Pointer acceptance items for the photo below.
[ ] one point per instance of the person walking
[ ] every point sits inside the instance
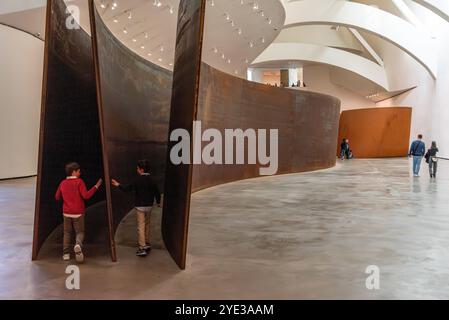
(432, 160)
(417, 151)
(73, 192)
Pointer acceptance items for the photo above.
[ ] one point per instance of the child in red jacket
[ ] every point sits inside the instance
(73, 192)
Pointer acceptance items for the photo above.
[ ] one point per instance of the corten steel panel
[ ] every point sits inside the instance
(376, 132)
(69, 126)
(135, 107)
(307, 124)
(184, 103)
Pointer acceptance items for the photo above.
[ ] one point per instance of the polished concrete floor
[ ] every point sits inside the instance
(300, 236)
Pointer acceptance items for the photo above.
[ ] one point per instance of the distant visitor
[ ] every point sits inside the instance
(432, 160)
(345, 150)
(417, 151)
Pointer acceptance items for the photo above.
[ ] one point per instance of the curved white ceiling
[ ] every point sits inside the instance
(290, 52)
(370, 19)
(11, 6)
(236, 31)
(440, 7)
(321, 35)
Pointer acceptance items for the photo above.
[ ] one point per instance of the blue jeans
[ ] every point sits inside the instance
(416, 164)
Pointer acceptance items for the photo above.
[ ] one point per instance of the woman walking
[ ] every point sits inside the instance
(432, 160)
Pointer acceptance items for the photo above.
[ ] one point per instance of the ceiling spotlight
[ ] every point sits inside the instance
(130, 15)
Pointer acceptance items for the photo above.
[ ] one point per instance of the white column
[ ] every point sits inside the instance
(293, 76)
(255, 74)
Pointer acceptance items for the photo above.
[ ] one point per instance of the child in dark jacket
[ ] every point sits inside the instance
(73, 192)
(145, 192)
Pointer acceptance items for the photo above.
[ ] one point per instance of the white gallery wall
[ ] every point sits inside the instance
(318, 79)
(430, 100)
(21, 65)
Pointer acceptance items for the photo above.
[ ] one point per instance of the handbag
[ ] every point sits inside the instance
(427, 157)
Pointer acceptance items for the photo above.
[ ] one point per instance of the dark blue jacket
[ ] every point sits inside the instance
(418, 148)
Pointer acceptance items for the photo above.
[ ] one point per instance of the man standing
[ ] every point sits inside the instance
(417, 151)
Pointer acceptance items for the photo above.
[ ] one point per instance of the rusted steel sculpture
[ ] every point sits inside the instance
(70, 128)
(106, 107)
(377, 132)
(184, 105)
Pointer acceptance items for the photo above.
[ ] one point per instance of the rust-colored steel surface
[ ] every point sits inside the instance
(134, 98)
(307, 123)
(69, 126)
(183, 112)
(376, 132)
(106, 108)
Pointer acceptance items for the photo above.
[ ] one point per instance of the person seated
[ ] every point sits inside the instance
(344, 149)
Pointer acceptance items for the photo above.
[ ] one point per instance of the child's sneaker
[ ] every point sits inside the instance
(79, 256)
(147, 248)
(141, 253)
(66, 257)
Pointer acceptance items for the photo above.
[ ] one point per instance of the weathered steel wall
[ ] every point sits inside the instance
(69, 124)
(184, 104)
(135, 106)
(307, 123)
(377, 132)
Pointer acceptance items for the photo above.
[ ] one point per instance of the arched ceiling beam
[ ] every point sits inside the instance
(288, 51)
(367, 47)
(370, 19)
(440, 7)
